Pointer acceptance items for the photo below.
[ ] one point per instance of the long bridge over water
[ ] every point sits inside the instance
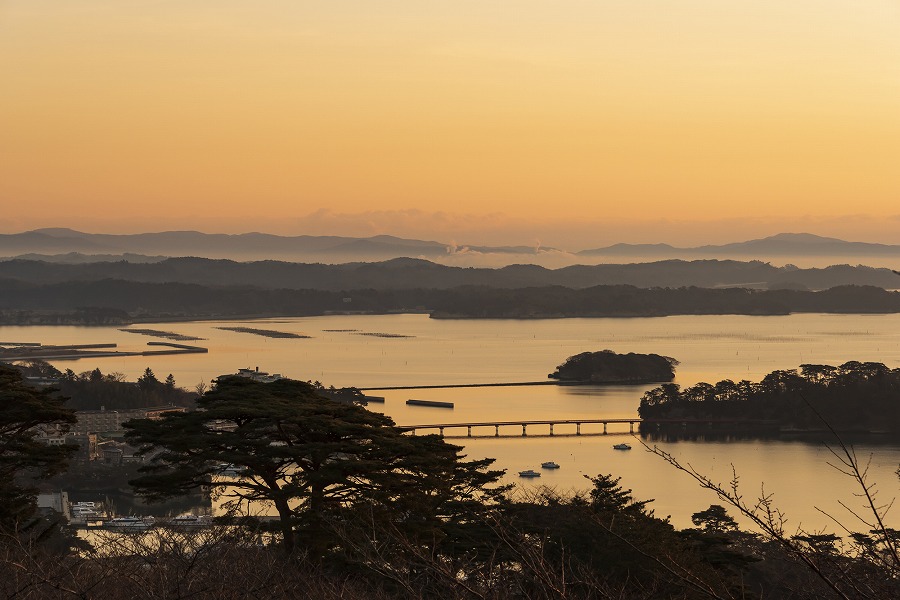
(550, 423)
(578, 423)
(440, 427)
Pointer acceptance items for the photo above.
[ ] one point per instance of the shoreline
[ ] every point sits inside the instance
(59, 320)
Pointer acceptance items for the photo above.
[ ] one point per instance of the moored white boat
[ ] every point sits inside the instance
(190, 521)
(549, 465)
(529, 473)
(621, 446)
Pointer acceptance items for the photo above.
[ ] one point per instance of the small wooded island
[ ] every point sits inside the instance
(607, 366)
(854, 397)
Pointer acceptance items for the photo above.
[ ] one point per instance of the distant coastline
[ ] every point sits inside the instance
(119, 303)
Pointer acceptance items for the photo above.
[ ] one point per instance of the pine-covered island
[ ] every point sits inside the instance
(862, 397)
(607, 366)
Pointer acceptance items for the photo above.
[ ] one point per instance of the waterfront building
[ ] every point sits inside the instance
(257, 375)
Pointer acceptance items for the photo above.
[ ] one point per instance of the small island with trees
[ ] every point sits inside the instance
(854, 397)
(607, 366)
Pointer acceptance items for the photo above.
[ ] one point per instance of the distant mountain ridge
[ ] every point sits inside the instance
(53, 242)
(187, 243)
(782, 244)
(60, 245)
(76, 258)
(244, 246)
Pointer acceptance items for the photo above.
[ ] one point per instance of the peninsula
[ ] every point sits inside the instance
(853, 397)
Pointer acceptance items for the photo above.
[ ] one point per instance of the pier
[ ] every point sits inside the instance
(471, 385)
(551, 423)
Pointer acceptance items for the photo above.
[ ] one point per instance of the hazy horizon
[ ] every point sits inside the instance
(787, 248)
(497, 231)
(579, 123)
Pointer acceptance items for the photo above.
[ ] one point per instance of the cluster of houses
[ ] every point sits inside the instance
(98, 433)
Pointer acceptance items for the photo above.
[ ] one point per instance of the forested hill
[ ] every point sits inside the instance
(112, 302)
(856, 396)
(407, 273)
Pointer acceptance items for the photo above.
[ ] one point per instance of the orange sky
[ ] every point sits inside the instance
(580, 121)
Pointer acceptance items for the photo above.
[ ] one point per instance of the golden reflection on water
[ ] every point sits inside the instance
(709, 348)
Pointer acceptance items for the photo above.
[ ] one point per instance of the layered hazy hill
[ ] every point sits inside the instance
(150, 287)
(782, 244)
(66, 245)
(194, 243)
(409, 273)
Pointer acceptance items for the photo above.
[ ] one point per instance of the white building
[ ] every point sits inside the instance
(257, 375)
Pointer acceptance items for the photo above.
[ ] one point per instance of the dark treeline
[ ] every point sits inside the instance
(407, 273)
(93, 390)
(627, 301)
(863, 396)
(22, 303)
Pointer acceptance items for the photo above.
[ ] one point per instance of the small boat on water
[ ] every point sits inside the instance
(529, 473)
(621, 446)
(190, 521)
(128, 524)
(549, 465)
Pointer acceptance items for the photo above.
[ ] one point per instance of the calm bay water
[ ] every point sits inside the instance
(709, 348)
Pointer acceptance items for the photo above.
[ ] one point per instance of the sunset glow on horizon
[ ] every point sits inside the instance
(466, 117)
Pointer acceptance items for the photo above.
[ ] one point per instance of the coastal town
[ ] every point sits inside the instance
(101, 448)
